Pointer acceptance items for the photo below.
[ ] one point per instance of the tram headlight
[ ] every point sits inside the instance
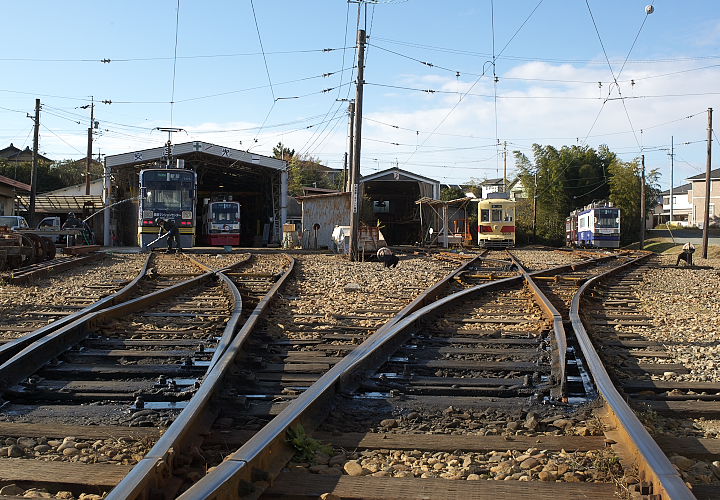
(187, 214)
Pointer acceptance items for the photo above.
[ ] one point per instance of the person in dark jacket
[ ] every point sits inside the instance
(387, 257)
(72, 222)
(173, 234)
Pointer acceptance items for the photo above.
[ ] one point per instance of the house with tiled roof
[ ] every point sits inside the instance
(11, 154)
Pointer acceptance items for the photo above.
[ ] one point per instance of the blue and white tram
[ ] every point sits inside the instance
(597, 225)
(167, 193)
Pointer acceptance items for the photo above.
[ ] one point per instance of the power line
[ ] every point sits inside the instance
(161, 58)
(63, 140)
(540, 59)
(262, 49)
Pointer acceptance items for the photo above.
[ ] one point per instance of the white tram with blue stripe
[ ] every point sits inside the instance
(595, 226)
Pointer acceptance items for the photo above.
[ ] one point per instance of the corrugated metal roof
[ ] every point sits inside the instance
(399, 173)
(178, 150)
(59, 203)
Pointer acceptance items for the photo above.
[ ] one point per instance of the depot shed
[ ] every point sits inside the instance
(327, 211)
(258, 182)
(389, 198)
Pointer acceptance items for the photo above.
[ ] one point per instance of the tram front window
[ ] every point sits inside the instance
(225, 212)
(168, 190)
(607, 218)
(497, 215)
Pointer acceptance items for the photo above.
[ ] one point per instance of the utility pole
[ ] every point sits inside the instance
(355, 193)
(89, 146)
(504, 166)
(706, 220)
(33, 172)
(345, 172)
(350, 178)
(672, 166)
(642, 205)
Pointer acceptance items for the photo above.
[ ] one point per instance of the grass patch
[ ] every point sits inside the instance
(305, 446)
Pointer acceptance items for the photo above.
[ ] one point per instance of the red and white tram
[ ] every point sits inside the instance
(221, 223)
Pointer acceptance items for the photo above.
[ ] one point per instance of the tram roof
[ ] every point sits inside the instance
(240, 160)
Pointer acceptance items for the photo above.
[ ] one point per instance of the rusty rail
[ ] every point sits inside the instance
(652, 463)
(262, 456)
(155, 469)
(13, 347)
(34, 352)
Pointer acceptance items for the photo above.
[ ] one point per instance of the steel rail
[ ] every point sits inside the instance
(234, 476)
(237, 303)
(155, 469)
(24, 274)
(33, 356)
(559, 353)
(13, 347)
(652, 463)
(257, 458)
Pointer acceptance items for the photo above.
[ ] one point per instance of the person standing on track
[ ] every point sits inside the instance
(173, 234)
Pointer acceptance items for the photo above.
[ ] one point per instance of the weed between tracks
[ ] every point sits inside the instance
(305, 447)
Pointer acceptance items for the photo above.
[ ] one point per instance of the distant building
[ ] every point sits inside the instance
(8, 190)
(697, 198)
(682, 206)
(11, 154)
(491, 186)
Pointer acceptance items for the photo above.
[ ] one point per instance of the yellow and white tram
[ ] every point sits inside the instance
(496, 221)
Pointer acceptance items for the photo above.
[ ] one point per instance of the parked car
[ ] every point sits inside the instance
(53, 224)
(13, 222)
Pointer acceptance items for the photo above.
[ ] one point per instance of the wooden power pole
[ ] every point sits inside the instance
(350, 178)
(505, 167)
(33, 172)
(89, 147)
(642, 204)
(706, 219)
(356, 192)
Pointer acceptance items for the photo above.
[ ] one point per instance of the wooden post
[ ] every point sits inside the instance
(706, 219)
(356, 194)
(89, 148)
(33, 172)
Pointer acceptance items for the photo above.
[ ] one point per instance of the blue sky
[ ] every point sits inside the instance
(549, 62)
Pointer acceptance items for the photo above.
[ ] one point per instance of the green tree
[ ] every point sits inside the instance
(562, 179)
(451, 193)
(47, 177)
(72, 172)
(282, 152)
(625, 183)
(304, 171)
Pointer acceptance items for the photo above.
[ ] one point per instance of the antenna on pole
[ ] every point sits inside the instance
(168, 144)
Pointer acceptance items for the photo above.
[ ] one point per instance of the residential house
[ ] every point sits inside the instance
(11, 154)
(681, 206)
(697, 198)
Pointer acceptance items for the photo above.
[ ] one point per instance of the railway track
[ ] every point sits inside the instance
(261, 459)
(228, 434)
(434, 393)
(125, 370)
(30, 311)
(675, 410)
